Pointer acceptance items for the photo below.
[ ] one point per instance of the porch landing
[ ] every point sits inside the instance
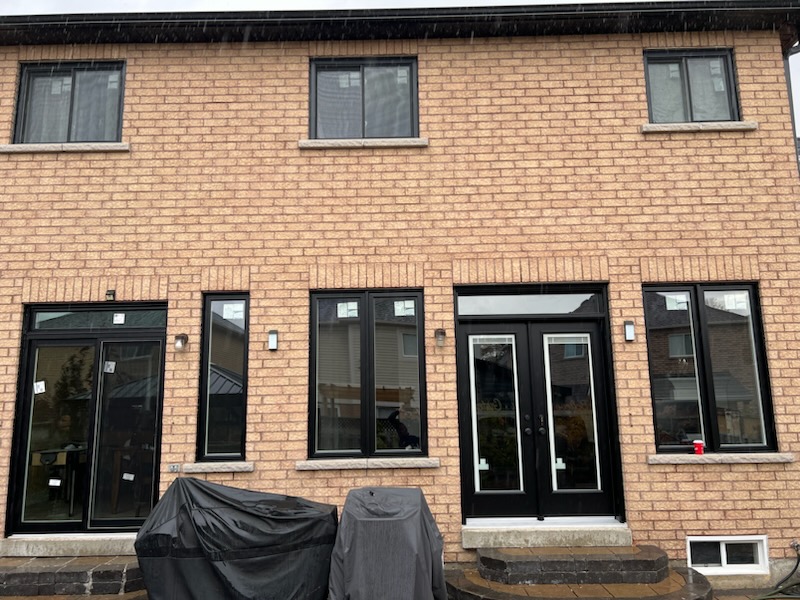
(64, 576)
(551, 532)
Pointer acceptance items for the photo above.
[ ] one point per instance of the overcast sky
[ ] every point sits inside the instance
(45, 7)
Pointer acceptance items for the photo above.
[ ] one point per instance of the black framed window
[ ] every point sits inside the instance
(364, 98)
(691, 86)
(223, 399)
(708, 369)
(367, 375)
(70, 102)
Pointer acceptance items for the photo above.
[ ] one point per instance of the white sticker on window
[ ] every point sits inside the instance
(109, 366)
(736, 301)
(346, 310)
(128, 477)
(54, 482)
(119, 319)
(39, 387)
(404, 308)
(113, 81)
(402, 75)
(355, 79)
(677, 301)
(233, 311)
(674, 71)
(719, 84)
(56, 87)
(715, 66)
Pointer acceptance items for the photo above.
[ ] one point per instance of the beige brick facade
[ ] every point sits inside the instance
(536, 171)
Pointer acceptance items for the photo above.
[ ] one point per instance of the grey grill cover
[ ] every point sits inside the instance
(388, 547)
(204, 540)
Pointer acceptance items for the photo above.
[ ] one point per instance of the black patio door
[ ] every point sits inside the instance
(533, 408)
(88, 421)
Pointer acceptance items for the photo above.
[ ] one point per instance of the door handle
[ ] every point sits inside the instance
(528, 431)
(542, 428)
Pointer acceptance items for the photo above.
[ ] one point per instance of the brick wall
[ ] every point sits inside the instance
(536, 171)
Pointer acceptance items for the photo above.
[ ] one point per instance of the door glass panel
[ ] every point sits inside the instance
(127, 414)
(571, 407)
(58, 433)
(495, 402)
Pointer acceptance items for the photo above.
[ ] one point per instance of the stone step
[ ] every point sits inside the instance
(553, 566)
(70, 576)
(680, 584)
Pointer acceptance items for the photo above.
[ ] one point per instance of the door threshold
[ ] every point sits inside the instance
(548, 522)
(524, 532)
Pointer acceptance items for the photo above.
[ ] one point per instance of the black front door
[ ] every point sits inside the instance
(533, 420)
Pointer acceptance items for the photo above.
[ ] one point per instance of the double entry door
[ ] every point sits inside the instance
(86, 457)
(533, 420)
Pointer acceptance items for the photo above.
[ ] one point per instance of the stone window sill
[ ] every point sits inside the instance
(219, 467)
(334, 464)
(364, 143)
(70, 147)
(700, 127)
(721, 459)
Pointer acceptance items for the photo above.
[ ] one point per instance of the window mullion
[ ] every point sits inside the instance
(705, 371)
(363, 75)
(367, 376)
(687, 89)
(73, 86)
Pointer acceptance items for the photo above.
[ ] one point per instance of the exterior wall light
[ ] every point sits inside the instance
(272, 339)
(630, 333)
(440, 334)
(181, 340)
(111, 295)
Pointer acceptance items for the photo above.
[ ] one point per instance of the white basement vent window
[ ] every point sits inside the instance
(728, 555)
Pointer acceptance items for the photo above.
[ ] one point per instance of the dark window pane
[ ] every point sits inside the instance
(95, 109)
(397, 381)
(741, 553)
(709, 89)
(47, 108)
(58, 434)
(737, 389)
(338, 377)
(706, 554)
(387, 102)
(339, 104)
(666, 92)
(225, 376)
(100, 319)
(675, 389)
(529, 304)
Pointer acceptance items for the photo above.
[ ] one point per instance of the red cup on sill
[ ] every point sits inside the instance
(699, 446)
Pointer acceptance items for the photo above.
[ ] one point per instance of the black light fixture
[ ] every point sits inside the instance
(111, 295)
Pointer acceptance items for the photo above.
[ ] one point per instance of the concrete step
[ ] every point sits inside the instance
(680, 584)
(630, 564)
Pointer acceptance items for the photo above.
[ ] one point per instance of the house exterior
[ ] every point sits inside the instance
(522, 258)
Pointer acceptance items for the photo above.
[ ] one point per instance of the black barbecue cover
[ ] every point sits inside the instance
(388, 547)
(204, 540)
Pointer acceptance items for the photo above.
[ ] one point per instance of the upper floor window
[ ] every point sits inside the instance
(686, 86)
(367, 382)
(364, 98)
(708, 368)
(223, 403)
(69, 102)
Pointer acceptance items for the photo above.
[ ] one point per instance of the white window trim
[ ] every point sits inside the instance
(762, 552)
